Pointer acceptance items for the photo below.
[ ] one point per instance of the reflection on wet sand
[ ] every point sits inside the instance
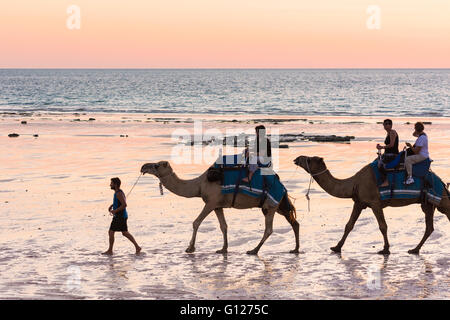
(55, 221)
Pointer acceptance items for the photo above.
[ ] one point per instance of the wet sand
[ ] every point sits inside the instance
(54, 195)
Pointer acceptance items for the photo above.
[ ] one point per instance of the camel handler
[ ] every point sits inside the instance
(263, 153)
(419, 149)
(119, 212)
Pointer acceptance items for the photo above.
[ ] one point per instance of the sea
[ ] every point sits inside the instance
(328, 92)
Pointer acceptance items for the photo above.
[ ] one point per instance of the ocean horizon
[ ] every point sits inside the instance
(327, 91)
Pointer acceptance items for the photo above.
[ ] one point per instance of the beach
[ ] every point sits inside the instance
(54, 195)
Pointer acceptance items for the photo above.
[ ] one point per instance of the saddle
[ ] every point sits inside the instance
(397, 164)
(237, 162)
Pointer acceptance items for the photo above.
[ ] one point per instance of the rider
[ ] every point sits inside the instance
(263, 153)
(419, 150)
(390, 149)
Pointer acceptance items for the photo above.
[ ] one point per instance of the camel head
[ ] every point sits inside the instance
(311, 164)
(159, 169)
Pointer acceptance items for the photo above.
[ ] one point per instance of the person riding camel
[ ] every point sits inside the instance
(263, 153)
(390, 149)
(419, 150)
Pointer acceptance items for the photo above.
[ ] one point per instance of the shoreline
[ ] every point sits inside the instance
(243, 117)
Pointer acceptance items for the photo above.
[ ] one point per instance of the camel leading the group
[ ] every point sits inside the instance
(215, 200)
(362, 188)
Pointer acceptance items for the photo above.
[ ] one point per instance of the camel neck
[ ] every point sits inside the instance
(182, 188)
(340, 188)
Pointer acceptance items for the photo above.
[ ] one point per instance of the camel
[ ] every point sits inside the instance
(362, 188)
(211, 194)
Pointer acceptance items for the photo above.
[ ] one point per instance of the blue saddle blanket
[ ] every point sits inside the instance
(430, 184)
(260, 182)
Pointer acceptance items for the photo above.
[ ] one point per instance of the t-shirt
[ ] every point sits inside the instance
(422, 141)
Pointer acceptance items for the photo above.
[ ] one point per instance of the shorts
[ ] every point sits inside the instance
(119, 224)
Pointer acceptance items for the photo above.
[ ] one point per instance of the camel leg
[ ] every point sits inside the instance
(445, 206)
(378, 211)
(267, 232)
(357, 208)
(428, 209)
(296, 227)
(205, 212)
(223, 227)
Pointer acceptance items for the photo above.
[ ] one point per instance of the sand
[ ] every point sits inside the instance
(54, 195)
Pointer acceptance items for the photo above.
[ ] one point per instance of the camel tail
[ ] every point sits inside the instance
(443, 207)
(287, 208)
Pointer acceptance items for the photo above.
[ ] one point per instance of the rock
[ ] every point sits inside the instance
(13, 135)
(23, 122)
(332, 138)
(35, 135)
(424, 122)
(91, 119)
(283, 146)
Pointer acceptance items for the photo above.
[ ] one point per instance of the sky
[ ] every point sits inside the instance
(225, 34)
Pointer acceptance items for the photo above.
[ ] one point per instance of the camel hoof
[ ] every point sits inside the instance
(384, 251)
(336, 249)
(294, 251)
(190, 249)
(252, 252)
(222, 251)
(413, 251)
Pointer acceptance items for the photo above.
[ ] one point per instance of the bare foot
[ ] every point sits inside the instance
(109, 253)
(385, 184)
(138, 250)
(245, 180)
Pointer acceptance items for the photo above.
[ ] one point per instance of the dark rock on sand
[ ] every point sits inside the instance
(13, 135)
(424, 122)
(23, 122)
(91, 119)
(332, 138)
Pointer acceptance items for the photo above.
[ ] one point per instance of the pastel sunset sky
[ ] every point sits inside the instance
(225, 34)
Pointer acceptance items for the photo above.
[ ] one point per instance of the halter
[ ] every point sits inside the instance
(161, 190)
(309, 170)
(310, 180)
(160, 177)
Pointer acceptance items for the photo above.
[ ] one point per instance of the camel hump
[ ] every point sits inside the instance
(215, 174)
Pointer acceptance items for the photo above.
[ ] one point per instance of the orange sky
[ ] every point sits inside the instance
(225, 34)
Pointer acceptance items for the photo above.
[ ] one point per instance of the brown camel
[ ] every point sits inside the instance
(211, 193)
(362, 188)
